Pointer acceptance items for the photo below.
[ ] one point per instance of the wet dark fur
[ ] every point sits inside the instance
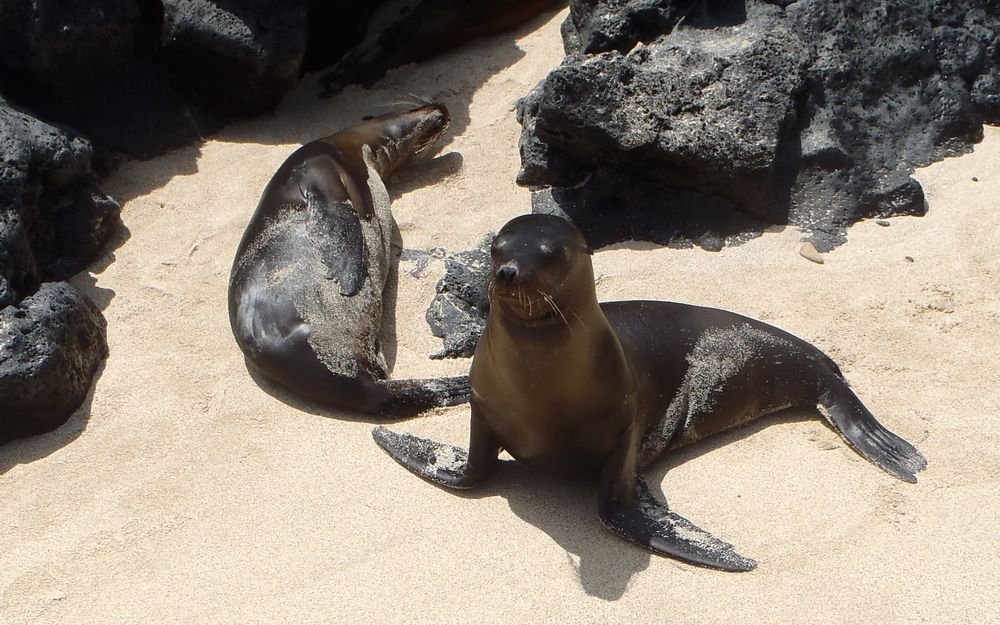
(306, 289)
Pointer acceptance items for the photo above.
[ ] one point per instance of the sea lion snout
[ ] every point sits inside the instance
(506, 273)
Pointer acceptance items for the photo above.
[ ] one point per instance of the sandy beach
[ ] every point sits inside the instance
(183, 492)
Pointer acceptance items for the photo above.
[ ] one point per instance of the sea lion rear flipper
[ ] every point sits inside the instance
(858, 426)
(648, 522)
(442, 464)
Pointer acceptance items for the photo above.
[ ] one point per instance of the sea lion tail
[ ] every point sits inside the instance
(858, 426)
(404, 398)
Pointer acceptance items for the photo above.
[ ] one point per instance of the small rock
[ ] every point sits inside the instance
(974, 179)
(458, 312)
(908, 259)
(882, 222)
(809, 252)
(51, 345)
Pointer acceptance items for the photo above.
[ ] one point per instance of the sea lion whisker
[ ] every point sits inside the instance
(555, 308)
(420, 99)
(395, 103)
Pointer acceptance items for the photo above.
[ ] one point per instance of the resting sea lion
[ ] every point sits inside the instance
(566, 384)
(305, 293)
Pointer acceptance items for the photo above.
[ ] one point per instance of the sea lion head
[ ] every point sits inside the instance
(542, 272)
(396, 137)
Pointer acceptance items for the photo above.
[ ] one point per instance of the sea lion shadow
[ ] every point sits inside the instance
(566, 510)
(678, 456)
(423, 172)
(32, 448)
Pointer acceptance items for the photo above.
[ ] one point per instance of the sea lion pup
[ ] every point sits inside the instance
(566, 384)
(305, 293)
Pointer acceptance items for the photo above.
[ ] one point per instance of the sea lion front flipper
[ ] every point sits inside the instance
(442, 464)
(648, 522)
(339, 239)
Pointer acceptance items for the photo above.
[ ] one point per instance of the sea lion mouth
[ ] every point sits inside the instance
(523, 309)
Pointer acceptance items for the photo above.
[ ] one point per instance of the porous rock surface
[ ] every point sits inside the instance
(56, 44)
(54, 220)
(690, 122)
(457, 313)
(242, 56)
(51, 345)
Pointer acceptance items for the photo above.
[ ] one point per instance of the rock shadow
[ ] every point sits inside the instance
(86, 280)
(32, 448)
(481, 59)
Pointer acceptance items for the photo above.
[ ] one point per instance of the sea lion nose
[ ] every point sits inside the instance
(506, 273)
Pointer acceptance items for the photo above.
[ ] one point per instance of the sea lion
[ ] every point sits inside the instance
(601, 390)
(305, 292)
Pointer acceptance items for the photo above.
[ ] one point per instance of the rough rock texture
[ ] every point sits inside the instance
(242, 56)
(54, 220)
(457, 313)
(668, 119)
(95, 66)
(51, 345)
(56, 44)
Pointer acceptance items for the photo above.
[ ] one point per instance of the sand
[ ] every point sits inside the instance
(183, 492)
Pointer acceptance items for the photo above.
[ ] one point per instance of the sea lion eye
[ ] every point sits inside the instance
(551, 252)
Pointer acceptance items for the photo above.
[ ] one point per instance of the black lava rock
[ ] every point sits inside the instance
(54, 218)
(335, 26)
(51, 345)
(240, 55)
(56, 44)
(94, 66)
(986, 95)
(457, 313)
(678, 114)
